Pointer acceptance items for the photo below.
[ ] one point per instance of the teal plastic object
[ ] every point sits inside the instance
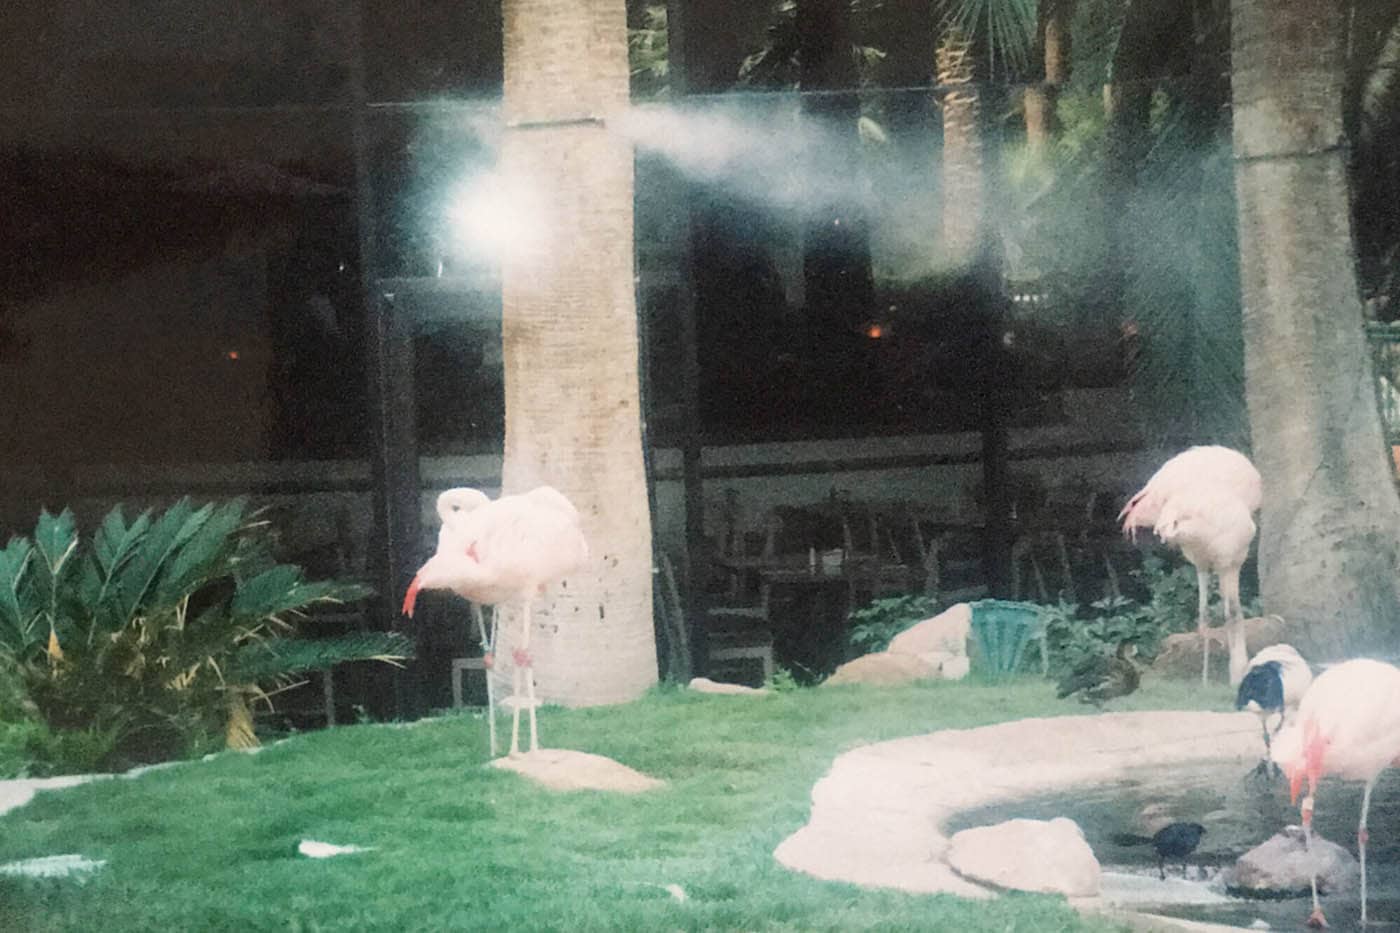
(1003, 629)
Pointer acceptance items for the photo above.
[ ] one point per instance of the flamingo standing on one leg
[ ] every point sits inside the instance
(1203, 501)
(1348, 725)
(505, 550)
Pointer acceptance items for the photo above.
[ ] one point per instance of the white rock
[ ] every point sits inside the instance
(1028, 855)
(883, 668)
(706, 685)
(946, 632)
(955, 668)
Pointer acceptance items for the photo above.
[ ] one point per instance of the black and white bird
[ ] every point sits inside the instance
(1273, 685)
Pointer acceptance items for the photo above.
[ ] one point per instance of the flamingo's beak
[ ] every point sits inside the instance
(411, 597)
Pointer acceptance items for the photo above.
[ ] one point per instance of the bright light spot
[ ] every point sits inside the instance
(496, 217)
(875, 331)
(231, 354)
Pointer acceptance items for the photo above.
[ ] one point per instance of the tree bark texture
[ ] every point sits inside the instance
(569, 326)
(1329, 538)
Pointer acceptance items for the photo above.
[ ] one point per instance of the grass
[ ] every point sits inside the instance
(212, 846)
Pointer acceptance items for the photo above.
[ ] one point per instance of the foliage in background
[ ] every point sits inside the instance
(873, 625)
(649, 55)
(1169, 606)
(150, 641)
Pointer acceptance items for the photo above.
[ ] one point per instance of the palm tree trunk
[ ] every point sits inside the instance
(964, 177)
(1053, 19)
(569, 326)
(1329, 542)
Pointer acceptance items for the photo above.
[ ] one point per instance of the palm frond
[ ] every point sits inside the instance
(272, 658)
(16, 618)
(1004, 28)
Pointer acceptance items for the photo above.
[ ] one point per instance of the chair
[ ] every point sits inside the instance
(739, 629)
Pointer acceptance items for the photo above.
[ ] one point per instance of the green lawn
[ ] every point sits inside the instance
(212, 846)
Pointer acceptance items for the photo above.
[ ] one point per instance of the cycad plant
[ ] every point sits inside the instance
(155, 636)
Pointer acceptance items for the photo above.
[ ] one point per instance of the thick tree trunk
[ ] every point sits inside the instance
(569, 326)
(1329, 546)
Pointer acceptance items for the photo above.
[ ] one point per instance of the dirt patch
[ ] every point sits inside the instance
(563, 769)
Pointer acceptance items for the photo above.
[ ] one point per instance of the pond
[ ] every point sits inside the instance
(1239, 812)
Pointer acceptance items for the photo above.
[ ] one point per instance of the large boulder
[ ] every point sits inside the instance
(945, 633)
(884, 668)
(1027, 855)
(1283, 865)
(1180, 655)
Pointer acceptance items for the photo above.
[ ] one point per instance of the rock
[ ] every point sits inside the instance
(706, 685)
(562, 769)
(955, 668)
(1281, 865)
(884, 668)
(946, 632)
(1028, 855)
(1180, 655)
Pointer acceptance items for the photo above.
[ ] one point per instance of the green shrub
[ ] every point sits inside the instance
(1073, 632)
(150, 642)
(876, 623)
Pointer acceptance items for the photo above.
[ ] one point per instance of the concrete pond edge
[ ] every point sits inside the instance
(879, 815)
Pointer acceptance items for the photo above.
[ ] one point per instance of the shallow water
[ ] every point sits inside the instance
(1239, 812)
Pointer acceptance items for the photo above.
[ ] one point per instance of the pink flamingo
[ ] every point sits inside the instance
(495, 552)
(1203, 501)
(1348, 725)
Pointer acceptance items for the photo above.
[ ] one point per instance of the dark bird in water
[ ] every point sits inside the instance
(1273, 685)
(1173, 841)
(1100, 678)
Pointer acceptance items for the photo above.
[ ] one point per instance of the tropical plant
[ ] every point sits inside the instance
(648, 53)
(152, 640)
(874, 624)
(1167, 605)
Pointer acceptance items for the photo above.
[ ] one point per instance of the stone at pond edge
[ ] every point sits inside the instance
(946, 632)
(1180, 655)
(1028, 855)
(564, 769)
(706, 685)
(1281, 865)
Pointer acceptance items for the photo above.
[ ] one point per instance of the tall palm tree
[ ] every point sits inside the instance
(1329, 547)
(569, 327)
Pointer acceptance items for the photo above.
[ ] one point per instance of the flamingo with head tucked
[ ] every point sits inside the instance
(498, 551)
(1203, 501)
